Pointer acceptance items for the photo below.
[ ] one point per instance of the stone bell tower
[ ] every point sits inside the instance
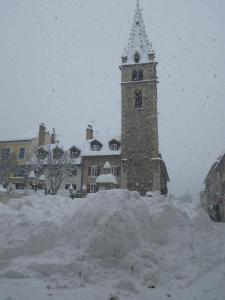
(141, 169)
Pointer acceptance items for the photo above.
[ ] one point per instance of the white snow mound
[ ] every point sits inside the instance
(151, 241)
(110, 224)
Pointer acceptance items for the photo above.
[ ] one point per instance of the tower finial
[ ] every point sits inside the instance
(138, 41)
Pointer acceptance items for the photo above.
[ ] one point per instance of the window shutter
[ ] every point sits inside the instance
(118, 171)
(89, 171)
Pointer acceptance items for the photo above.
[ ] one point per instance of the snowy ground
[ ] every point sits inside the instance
(112, 245)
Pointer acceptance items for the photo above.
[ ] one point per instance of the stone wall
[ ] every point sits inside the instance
(99, 161)
(139, 142)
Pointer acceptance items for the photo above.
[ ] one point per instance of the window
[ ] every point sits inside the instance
(57, 153)
(137, 76)
(114, 147)
(140, 75)
(74, 152)
(21, 171)
(42, 153)
(5, 153)
(95, 147)
(93, 188)
(134, 75)
(116, 171)
(94, 171)
(22, 153)
(138, 99)
(136, 57)
(67, 186)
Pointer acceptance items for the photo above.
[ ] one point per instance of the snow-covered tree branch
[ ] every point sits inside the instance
(54, 163)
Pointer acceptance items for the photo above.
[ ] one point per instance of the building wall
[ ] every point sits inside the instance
(98, 161)
(213, 197)
(15, 146)
(139, 143)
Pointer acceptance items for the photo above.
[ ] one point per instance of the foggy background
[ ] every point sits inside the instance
(59, 65)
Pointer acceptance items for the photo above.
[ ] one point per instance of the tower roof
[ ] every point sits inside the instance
(139, 50)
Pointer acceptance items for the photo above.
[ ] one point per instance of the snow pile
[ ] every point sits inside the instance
(2, 189)
(106, 178)
(109, 225)
(112, 235)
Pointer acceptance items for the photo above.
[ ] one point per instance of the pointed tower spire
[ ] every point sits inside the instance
(139, 50)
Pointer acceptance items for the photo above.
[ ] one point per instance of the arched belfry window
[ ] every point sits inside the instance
(140, 75)
(136, 57)
(138, 99)
(135, 75)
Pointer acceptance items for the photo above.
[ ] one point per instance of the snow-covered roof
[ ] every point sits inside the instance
(51, 147)
(84, 188)
(107, 165)
(2, 189)
(138, 41)
(19, 138)
(106, 178)
(149, 194)
(31, 175)
(105, 148)
(42, 178)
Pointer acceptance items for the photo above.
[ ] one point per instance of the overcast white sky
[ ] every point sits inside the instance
(59, 65)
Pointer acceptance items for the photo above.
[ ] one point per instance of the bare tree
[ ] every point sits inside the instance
(53, 162)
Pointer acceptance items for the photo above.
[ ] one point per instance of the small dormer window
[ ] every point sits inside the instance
(136, 57)
(74, 152)
(96, 146)
(57, 153)
(42, 153)
(114, 145)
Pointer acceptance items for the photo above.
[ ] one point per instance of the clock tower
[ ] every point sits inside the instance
(142, 165)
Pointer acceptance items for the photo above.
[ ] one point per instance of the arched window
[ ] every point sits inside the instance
(140, 75)
(134, 75)
(138, 99)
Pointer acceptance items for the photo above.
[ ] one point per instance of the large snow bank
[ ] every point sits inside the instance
(116, 235)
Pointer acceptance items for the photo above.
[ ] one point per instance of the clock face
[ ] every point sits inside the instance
(136, 57)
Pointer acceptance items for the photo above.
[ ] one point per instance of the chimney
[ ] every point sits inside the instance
(89, 133)
(53, 137)
(42, 134)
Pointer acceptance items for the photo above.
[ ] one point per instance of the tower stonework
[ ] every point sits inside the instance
(141, 162)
